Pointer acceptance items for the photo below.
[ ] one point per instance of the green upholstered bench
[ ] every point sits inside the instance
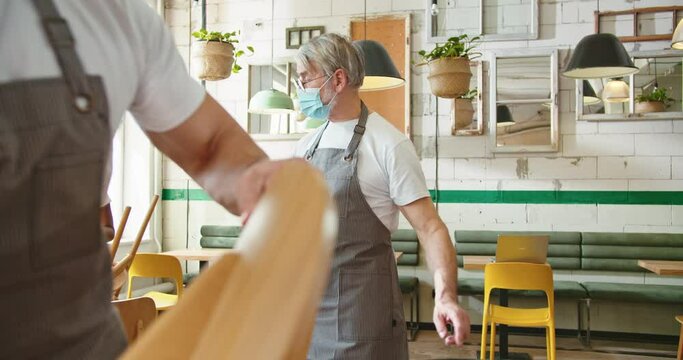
(215, 237)
(564, 253)
(620, 252)
(406, 242)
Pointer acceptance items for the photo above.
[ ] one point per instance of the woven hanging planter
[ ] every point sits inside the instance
(212, 60)
(649, 107)
(449, 77)
(464, 113)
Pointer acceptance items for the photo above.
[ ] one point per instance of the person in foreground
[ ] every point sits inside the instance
(63, 92)
(373, 171)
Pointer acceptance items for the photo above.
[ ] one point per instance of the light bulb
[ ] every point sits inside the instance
(435, 10)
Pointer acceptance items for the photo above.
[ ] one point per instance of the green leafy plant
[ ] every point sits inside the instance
(457, 46)
(469, 95)
(658, 94)
(227, 37)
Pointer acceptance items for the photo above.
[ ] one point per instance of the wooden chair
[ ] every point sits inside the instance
(119, 234)
(518, 276)
(276, 277)
(136, 315)
(157, 266)
(124, 264)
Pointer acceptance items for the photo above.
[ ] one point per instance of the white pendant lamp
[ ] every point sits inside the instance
(677, 39)
(616, 91)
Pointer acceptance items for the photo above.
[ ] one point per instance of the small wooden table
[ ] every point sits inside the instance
(397, 254)
(202, 255)
(662, 267)
(476, 262)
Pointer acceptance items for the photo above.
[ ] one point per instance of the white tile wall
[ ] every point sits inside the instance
(634, 214)
(598, 145)
(591, 156)
(632, 167)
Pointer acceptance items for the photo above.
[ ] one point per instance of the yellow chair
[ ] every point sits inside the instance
(157, 266)
(679, 356)
(518, 276)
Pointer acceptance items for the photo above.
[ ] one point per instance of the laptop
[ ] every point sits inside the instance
(524, 248)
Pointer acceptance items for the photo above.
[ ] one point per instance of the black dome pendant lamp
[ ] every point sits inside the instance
(380, 71)
(599, 56)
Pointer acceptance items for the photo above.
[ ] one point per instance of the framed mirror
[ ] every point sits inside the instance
(493, 20)
(467, 112)
(279, 76)
(653, 93)
(523, 106)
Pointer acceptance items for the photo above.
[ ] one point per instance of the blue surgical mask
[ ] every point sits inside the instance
(311, 103)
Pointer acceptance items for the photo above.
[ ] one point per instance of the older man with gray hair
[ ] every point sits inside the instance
(373, 171)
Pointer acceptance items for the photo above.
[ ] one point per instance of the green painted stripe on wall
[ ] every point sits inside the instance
(509, 197)
(559, 197)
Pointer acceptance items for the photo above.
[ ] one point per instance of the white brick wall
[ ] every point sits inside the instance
(591, 156)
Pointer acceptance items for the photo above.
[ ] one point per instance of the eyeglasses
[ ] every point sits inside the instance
(300, 84)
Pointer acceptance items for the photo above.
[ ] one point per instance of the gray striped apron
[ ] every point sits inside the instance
(361, 313)
(55, 288)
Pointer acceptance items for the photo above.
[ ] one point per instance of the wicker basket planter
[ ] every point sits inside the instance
(463, 113)
(649, 107)
(212, 60)
(449, 77)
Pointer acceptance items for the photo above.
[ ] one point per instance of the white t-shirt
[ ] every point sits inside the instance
(389, 170)
(124, 41)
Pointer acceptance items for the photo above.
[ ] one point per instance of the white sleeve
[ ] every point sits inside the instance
(166, 94)
(406, 180)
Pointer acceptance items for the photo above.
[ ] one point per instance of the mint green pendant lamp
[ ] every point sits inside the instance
(271, 102)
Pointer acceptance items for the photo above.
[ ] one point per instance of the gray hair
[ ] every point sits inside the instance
(331, 52)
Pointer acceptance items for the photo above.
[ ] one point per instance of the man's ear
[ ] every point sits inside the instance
(341, 79)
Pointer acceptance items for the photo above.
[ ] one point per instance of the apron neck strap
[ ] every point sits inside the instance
(358, 132)
(62, 42)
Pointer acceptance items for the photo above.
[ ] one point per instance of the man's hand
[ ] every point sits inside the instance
(447, 311)
(253, 183)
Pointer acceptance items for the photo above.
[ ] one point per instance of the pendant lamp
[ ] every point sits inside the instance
(380, 71)
(589, 96)
(599, 56)
(677, 39)
(503, 116)
(615, 91)
(271, 101)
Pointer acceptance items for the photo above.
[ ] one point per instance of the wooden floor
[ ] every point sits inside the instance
(429, 346)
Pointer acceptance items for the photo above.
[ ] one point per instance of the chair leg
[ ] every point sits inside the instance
(588, 323)
(482, 352)
(414, 324)
(551, 337)
(492, 349)
(679, 356)
(547, 343)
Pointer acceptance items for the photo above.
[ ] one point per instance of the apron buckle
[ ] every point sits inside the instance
(83, 103)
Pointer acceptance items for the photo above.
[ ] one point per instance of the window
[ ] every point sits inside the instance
(492, 19)
(624, 98)
(523, 107)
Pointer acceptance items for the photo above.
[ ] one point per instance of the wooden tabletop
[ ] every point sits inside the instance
(662, 267)
(476, 262)
(397, 255)
(198, 254)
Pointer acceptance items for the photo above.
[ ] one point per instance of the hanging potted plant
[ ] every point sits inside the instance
(463, 111)
(449, 66)
(214, 54)
(656, 101)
